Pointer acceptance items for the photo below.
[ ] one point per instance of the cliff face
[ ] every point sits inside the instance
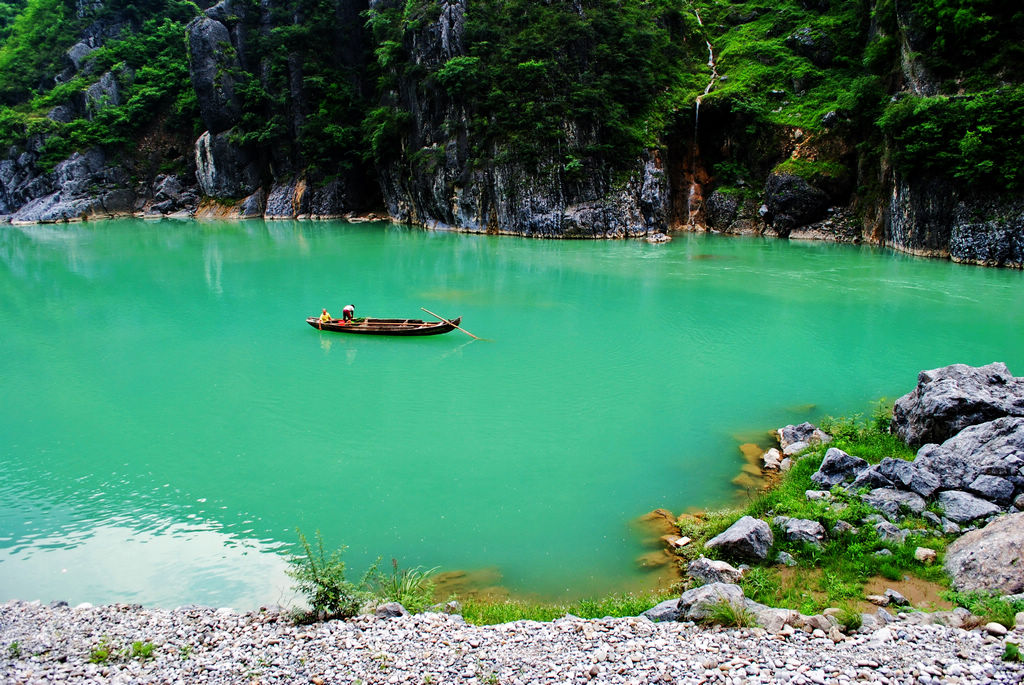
(439, 180)
(582, 118)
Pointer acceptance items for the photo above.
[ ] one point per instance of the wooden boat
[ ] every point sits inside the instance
(371, 326)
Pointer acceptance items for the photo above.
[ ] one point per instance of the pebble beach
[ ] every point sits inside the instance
(54, 644)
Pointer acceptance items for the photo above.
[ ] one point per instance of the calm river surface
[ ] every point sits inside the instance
(168, 419)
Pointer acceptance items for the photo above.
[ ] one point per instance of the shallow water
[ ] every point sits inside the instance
(168, 418)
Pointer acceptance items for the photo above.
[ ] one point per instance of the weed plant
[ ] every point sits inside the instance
(725, 613)
(413, 588)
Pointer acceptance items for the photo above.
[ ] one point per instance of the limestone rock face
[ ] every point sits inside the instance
(749, 538)
(793, 202)
(949, 399)
(223, 169)
(989, 559)
(212, 65)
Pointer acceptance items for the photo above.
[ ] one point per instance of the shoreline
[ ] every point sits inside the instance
(664, 235)
(125, 643)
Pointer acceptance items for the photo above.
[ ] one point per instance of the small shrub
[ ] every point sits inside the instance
(849, 617)
(725, 613)
(1012, 653)
(185, 652)
(321, 578)
(14, 650)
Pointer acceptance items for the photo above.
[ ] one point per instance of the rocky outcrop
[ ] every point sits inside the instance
(933, 217)
(749, 538)
(951, 398)
(225, 170)
(791, 201)
(81, 187)
(838, 467)
(989, 559)
(213, 64)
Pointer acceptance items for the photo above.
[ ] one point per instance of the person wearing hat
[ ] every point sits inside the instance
(348, 312)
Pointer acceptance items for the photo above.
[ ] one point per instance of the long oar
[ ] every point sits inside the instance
(450, 323)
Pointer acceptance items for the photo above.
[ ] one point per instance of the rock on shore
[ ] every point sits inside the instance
(191, 645)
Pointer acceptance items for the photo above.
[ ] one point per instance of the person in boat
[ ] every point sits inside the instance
(325, 317)
(348, 312)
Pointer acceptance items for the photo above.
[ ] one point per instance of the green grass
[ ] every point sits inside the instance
(725, 613)
(142, 650)
(834, 573)
(992, 608)
(101, 653)
(489, 612)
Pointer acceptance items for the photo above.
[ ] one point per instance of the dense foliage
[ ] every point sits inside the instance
(575, 82)
(148, 61)
(584, 78)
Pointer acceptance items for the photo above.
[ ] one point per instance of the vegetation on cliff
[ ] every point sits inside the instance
(335, 86)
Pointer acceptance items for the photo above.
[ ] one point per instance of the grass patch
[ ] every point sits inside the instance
(991, 608)
(489, 612)
(834, 573)
(725, 613)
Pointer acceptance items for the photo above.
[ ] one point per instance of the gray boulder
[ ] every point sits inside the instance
(995, 448)
(871, 477)
(800, 530)
(665, 611)
(989, 559)
(963, 507)
(951, 398)
(805, 432)
(749, 538)
(906, 475)
(391, 610)
(698, 604)
(893, 502)
(888, 532)
(713, 571)
(838, 467)
(993, 488)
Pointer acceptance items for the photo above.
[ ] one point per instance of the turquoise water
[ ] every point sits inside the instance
(168, 418)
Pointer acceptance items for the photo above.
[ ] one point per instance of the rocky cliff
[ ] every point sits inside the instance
(573, 119)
